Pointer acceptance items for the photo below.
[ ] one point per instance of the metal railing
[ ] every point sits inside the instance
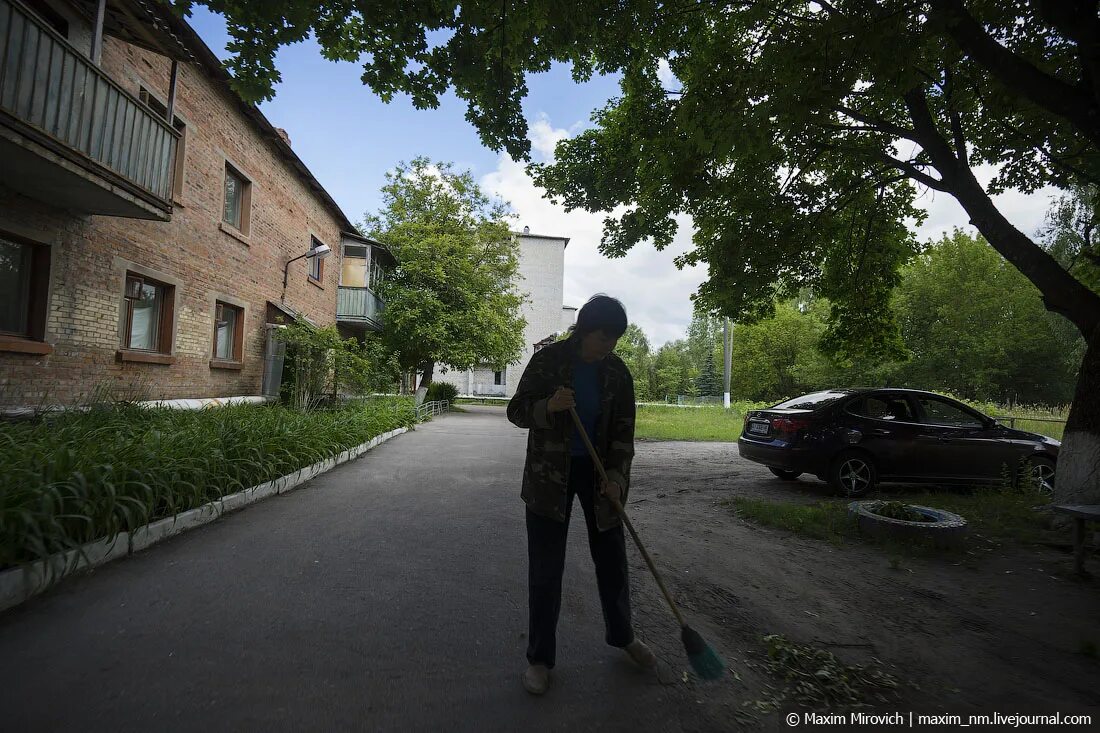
(1011, 419)
(358, 304)
(431, 409)
(49, 85)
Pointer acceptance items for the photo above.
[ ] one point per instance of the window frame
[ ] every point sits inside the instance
(32, 339)
(318, 262)
(236, 357)
(925, 419)
(244, 206)
(166, 321)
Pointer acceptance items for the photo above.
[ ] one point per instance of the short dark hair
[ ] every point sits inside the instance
(601, 313)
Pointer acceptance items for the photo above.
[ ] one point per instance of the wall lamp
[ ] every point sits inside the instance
(321, 251)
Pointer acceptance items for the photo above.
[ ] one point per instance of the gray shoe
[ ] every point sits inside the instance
(536, 679)
(641, 654)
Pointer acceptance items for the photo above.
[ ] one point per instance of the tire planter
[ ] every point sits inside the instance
(943, 529)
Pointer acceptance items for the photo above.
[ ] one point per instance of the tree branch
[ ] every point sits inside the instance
(1017, 74)
(912, 171)
(955, 118)
(896, 130)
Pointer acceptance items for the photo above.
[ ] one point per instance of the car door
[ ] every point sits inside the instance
(888, 428)
(959, 443)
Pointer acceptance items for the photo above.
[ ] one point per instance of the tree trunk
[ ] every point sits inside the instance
(1078, 477)
(422, 391)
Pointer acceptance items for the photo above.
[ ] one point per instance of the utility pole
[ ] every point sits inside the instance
(727, 348)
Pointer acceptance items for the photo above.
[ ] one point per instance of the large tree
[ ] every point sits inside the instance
(795, 134)
(451, 297)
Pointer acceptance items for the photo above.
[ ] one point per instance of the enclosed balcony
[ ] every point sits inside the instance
(362, 267)
(72, 137)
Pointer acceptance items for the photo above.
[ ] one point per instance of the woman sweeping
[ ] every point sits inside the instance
(581, 373)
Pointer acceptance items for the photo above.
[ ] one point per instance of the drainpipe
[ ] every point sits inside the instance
(169, 115)
(97, 32)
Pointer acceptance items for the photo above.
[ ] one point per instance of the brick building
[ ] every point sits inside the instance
(148, 214)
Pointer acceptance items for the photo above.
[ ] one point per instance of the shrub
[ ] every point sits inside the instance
(442, 391)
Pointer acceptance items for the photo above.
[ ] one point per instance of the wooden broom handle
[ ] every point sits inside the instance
(626, 520)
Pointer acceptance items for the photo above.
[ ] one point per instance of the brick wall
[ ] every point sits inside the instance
(90, 256)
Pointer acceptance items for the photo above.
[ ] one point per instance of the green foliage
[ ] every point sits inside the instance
(450, 298)
(898, 510)
(633, 349)
(439, 391)
(976, 327)
(818, 679)
(1071, 233)
(71, 478)
(792, 134)
(323, 365)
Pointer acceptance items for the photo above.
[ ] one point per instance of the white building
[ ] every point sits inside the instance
(542, 279)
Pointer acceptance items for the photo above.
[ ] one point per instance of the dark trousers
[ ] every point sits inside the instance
(546, 540)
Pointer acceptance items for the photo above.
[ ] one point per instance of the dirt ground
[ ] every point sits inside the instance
(999, 630)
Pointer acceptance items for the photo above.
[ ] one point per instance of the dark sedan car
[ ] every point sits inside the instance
(854, 438)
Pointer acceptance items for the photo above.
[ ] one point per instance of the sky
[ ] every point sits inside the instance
(349, 139)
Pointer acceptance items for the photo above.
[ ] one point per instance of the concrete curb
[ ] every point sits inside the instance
(18, 585)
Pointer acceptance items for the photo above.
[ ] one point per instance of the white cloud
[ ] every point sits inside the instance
(657, 296)
(665, 75)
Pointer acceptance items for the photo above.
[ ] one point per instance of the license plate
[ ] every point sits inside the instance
(758, 427)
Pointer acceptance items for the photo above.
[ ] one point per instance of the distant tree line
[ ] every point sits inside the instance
(971, 324)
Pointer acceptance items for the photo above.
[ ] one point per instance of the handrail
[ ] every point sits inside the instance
(431, 409)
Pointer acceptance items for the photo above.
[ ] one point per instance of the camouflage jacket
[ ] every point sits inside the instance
(546, 471)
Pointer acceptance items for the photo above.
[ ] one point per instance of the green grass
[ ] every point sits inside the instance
(999, 515)
(74, 477)
(706, 423)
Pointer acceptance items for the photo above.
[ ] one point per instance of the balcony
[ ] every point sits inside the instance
(359, 306)
(71, 136)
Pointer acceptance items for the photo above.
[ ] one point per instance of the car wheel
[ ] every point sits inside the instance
(853, 474)
(1042, 473)
(785, 475)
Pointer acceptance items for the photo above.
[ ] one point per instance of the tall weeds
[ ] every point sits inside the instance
(70, 478)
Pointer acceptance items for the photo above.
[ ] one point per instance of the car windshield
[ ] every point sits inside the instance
(810, 401)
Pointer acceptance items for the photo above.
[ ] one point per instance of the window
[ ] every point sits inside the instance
(24, 287)
(883, 407)
(181, 145)
(938, 412)
(148, 315)
(237, 199)
(228, 332)
(316, 264)
(810, 401)
(353, 267)
(498, 377)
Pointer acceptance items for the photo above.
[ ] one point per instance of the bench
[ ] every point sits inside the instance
(1081, 514)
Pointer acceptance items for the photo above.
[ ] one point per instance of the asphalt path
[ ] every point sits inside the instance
(387, 594)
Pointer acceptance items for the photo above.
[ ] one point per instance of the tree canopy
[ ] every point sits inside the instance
(450, 298)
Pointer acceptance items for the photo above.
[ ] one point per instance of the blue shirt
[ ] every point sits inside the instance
(586, 386)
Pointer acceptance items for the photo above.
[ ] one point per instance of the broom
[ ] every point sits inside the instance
(704, 660)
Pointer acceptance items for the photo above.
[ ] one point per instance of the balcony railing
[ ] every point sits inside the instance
(358, 305)
(49, 85)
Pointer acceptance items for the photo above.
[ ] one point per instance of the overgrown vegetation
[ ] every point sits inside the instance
(322, 365)
(74, 477)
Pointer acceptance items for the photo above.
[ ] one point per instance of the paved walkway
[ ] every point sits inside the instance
(388, 594)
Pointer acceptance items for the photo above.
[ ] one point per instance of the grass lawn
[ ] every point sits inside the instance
(74, 477)
(708, 422)
(998, 515)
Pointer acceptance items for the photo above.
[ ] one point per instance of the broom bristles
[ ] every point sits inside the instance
(704, 660)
